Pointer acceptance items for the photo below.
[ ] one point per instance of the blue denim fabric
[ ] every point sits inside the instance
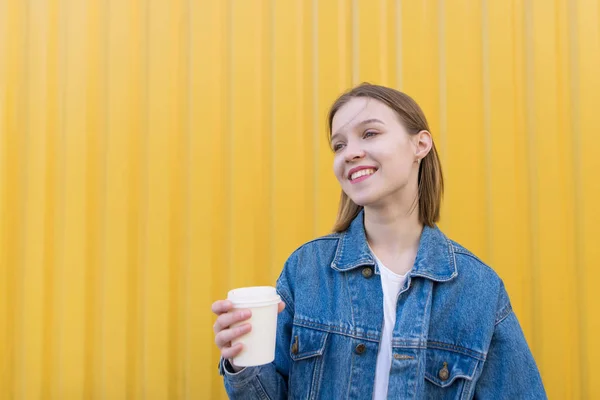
(456, 335)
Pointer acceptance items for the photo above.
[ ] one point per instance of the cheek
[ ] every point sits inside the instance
(399, 164)
(338, 168)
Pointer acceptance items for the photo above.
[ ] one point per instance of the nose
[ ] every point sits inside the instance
(353, 152)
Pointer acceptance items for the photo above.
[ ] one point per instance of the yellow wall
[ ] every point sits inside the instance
(154, 154)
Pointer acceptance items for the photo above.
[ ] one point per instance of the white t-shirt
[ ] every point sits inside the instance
(391, 284)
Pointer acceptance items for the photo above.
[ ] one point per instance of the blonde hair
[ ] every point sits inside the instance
(430, 178)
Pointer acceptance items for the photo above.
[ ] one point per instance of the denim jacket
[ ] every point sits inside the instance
(456, 335)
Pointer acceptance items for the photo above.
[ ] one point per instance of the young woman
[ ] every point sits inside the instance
(387, 305)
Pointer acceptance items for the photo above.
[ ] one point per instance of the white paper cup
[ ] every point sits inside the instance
(259, 343)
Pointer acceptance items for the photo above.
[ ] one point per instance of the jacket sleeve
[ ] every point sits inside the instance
(266, 381)
(509, 372)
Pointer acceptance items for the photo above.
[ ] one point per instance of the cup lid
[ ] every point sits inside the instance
(253, 296)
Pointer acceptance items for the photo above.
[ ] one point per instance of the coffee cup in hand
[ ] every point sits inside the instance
(259, 343)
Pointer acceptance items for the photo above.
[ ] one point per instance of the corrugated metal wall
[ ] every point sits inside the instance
(154, 154)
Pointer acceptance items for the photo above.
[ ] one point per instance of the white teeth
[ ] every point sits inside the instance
(362, 172)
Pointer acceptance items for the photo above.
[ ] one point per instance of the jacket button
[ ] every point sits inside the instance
(444, 374)
(360, 348)
(295, 346)
(367, 272)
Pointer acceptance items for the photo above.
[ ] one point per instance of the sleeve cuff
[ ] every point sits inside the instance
(225, 368)
(239, 377)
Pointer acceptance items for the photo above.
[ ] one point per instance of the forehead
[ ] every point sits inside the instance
(358, 109)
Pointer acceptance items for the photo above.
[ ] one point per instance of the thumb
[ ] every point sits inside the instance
(280, 306)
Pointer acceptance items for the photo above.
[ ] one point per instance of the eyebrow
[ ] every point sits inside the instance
(365, 122)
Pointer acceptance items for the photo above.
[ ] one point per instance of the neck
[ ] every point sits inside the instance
(393, 231)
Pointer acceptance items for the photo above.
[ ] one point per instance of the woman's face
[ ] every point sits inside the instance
(375, 157)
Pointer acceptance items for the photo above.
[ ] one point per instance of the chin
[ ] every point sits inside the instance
(364, 200)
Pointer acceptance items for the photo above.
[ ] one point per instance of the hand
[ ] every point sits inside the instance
(224, 334)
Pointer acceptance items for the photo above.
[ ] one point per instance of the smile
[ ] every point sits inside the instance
(361, 175)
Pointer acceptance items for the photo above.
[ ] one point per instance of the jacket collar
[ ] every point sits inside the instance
(435, 256)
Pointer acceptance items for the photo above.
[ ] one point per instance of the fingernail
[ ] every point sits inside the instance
(245, 314)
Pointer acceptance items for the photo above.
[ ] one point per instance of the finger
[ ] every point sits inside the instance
(228, 335)
(225, 320)
(221, 306)
(231, 352)
(281, 307)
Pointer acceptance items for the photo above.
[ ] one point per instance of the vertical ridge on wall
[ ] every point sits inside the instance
(552, 245)
(588, 87)
(4, 269)
(565, 152)
(575, 128)
(316, 117)
(248, 147)
(50, 220)
(178, 225)
(334, 75)
(21, 172)
(502, 154)
(120, 248)
(582, 379)
(289, 165)
(34, 116)
(59, 233)
(486, 132)
(262, 187)
(14, 156)
(163, 201)
(209, 268)
(463, 44)
(308, 126)
(269, 137)
(443, 97)
(228, 111)
(97, 118)
(395, 22)
(532, 194)
(183, 341)
(138, 203)
(355, 31)
(521, 279)
(72, 273)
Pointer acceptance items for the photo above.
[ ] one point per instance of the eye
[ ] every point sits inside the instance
(337, 147)
(368, 134)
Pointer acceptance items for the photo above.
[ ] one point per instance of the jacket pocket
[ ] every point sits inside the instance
(448, 374)
(307, 350)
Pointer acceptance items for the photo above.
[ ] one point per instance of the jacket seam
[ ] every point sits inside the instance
(260, 389)
(339, 250)
(469, 376)
(350, 298)
(434, 345)
(356, 264)
(465, 252)
(457, 349)
(333, 236)
(468, 388)
(332, 329)
(427, 307)
(350, 378)
(243, 382)
(287, 301)
(506, 311)
(438, 279)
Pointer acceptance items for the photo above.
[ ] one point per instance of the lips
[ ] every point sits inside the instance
(360, 168)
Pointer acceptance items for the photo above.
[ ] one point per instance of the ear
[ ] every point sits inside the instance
(423, 143)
